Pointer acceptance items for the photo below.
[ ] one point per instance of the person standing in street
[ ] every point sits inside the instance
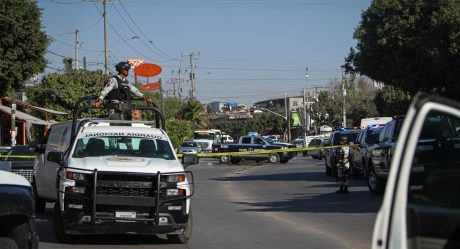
(344, 166)
(118, 90)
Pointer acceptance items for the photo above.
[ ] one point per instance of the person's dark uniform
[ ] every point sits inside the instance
(344, 166)
(118, 92)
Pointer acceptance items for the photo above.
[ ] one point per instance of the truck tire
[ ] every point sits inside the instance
(185, 236)
(273, 158)
(7, 243)
(224, 159)
(59, 232)
(376, 185)
(40, 204)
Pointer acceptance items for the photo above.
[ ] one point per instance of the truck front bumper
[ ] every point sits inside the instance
(142, 227)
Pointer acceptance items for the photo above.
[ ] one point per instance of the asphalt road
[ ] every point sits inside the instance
(259, 206)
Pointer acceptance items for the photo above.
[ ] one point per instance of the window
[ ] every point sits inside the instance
(435, 173)
(258, 140)
(246, 140)
(123, 146)
(294, 103)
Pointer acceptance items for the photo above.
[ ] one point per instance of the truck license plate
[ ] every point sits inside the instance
(129, 215)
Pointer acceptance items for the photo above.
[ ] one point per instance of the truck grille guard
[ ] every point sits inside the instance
(158, 202)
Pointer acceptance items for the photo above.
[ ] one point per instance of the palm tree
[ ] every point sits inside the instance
(191, 111)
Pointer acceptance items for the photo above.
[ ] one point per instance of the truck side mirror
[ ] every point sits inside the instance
(56, 157)
(189, 159)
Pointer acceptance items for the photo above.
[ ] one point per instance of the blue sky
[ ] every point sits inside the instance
(249, 50)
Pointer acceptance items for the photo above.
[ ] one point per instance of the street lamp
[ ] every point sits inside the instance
(125, 40)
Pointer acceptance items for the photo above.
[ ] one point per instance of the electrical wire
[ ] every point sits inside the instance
(135, 35)
(143, 34)
(67, 2)
(123, 39)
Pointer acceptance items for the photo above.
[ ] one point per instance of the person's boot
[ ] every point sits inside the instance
(345, 190)
(340, 191)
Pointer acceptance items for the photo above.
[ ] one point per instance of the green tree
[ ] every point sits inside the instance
(60, 91)
(191, 111)
(22, 43)
(178, 131)
(392, 101)
(411, 44)
(327, 110)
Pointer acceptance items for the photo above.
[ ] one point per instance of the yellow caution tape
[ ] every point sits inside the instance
(262, 151)
(12, 156)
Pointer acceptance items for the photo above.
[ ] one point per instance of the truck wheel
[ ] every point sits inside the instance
(40, 204)
(58, 227)
(376, 185)
(7, 243)
(274, 158)
(224, 159)
(185, 236)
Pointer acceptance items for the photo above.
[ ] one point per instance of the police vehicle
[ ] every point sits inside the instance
(115, 177)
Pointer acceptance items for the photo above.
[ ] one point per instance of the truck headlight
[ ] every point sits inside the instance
(175, 178)
(75, 176)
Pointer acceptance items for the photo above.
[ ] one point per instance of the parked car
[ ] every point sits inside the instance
(17, 220)
(189, 147)
(421, 205)
(21, 159)
(332, 153)
(359, 157)
(318, 142)
(381, 154)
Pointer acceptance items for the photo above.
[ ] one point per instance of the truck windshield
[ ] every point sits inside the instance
(123, 146)
(203, 135)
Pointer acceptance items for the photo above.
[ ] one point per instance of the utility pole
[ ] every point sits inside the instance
(106, 48)
(76, 49)
(344, 94)
(161, 98)
(288, 120)
(305, 117)
(307, 104)
(192, 77)
(84, 63)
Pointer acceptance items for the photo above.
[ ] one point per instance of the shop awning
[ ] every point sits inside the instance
(23, 116)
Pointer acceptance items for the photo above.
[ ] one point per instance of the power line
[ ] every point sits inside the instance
(123, 39)
(134, 34)
(72, 46)
(67, 57)
(143, 34)
(67, 2)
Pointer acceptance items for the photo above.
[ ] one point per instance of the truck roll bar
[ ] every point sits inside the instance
(78, 108)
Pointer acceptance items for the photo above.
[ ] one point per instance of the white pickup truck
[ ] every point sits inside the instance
(115, 177)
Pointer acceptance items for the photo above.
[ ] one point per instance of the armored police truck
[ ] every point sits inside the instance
(115, 177)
